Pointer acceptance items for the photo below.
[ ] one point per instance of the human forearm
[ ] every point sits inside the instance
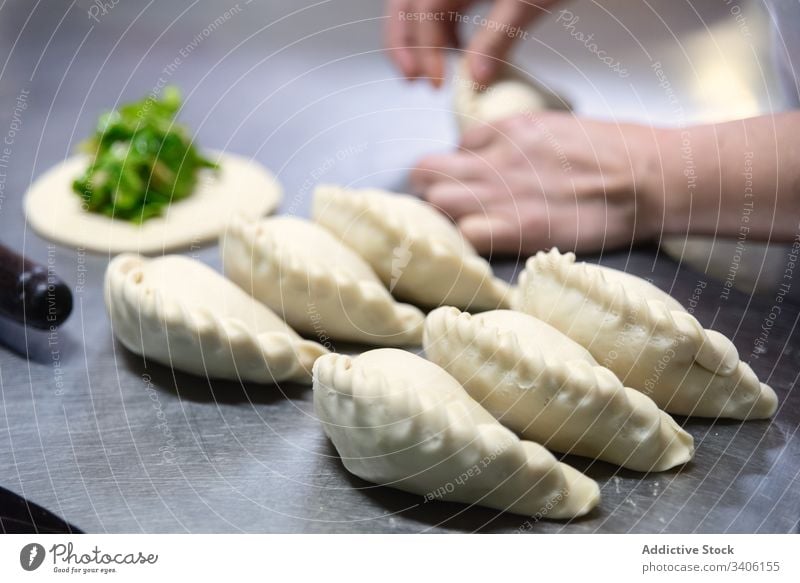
(729, 179)
(555, 180)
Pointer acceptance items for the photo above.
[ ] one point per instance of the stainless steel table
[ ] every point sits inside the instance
(89, 432)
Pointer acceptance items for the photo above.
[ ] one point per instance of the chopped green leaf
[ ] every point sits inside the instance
(142, 160)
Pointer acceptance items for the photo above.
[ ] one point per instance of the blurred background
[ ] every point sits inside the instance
(304, 87)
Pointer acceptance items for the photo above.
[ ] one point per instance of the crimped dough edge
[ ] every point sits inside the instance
(494, 292)
(341, 374)
(572, 380)
(276, 262)
(129, 300)
(694, 344)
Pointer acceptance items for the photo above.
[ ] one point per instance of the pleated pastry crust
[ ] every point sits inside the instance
(539, 383)
(181, 313)
(319, 286)
(418, 254)
(399, 420)
(645, 337)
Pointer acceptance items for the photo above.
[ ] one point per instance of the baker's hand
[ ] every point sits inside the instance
(417, 31)
(529, 183)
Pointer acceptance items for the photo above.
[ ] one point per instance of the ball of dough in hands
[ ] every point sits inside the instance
(512, 93)
(549, 389)
(399, 420)
(414, 249)
(320, 286)
(644, 336)
(181, 313)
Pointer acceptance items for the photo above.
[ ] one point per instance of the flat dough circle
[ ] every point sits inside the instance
(241, 186)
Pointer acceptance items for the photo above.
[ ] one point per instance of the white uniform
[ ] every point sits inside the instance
(785, 15)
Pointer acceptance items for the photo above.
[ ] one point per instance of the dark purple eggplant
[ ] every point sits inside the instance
(29, 294)
(21, 516)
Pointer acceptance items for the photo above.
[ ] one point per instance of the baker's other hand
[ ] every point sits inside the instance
(418, 31)
(533, 182)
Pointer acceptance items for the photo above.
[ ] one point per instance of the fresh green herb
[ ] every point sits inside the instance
(142, 160)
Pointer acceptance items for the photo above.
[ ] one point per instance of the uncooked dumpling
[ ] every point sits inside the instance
(549, 389)
(320, 286)
(512, 93)
(413, 248)
(181, 313)
(638, 286)
(399, 420)
(645, 337)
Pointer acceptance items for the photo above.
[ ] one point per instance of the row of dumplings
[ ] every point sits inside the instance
(329, 279)
(473, 421)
